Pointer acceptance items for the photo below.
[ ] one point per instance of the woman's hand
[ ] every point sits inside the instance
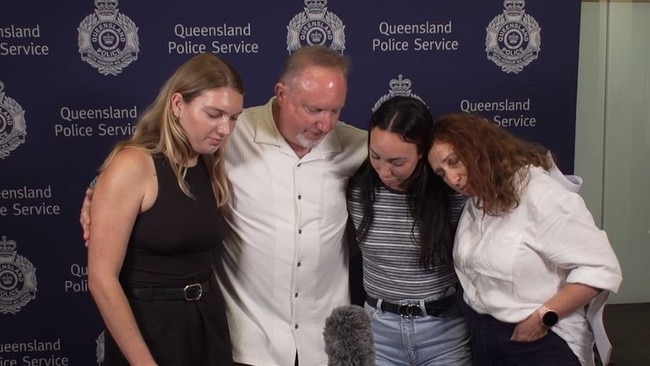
(530, 329)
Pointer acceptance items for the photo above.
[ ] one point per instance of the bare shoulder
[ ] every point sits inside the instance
(133, 158)
(130, 165)
(131, 173)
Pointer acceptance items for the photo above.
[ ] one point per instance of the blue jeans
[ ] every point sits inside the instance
(423, 340)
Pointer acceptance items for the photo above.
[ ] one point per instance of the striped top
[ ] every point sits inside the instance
(391, 259)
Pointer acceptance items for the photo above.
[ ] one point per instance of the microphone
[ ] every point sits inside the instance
(348, 337)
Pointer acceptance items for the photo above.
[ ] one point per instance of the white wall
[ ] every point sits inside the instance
(613, 133)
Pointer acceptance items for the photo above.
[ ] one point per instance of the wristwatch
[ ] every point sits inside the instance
(549, 316)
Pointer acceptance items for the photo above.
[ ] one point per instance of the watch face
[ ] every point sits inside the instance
(550, 318)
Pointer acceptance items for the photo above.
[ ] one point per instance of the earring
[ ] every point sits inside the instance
(175, 117)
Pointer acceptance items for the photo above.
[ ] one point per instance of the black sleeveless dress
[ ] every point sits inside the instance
(174, 244)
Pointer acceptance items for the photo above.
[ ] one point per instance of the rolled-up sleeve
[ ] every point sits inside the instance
(569, 238)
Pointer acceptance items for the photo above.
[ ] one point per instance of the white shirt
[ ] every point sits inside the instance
(285, 258)
(510, 265)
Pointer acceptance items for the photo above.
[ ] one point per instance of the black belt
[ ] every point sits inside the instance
(191, 292)
(409, 310)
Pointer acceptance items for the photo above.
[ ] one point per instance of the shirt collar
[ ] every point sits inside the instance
(266, 132)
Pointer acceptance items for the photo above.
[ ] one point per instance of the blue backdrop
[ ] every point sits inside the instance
(74, 76)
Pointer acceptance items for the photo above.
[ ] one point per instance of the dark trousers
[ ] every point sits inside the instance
(491, 345)
(180, 333)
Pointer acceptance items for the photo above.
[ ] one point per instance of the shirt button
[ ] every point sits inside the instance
(299, 164)
(299, 231)
(299, 197)
(296, 326)
(299, 264)
(295, 295)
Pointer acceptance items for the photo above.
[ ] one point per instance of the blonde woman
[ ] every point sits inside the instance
(156, 224)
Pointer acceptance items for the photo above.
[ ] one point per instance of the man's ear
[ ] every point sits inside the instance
(280, 91)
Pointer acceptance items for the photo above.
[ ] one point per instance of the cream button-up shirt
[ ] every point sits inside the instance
(285, 259)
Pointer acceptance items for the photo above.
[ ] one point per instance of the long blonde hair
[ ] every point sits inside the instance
(157, 131)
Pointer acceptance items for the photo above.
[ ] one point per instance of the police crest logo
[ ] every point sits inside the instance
(108, 40)
(17, 279)
(513, 38)
(316, 26)
(12, 124)
(398, 87)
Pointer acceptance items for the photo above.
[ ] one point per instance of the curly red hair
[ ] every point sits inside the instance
(492, 156)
